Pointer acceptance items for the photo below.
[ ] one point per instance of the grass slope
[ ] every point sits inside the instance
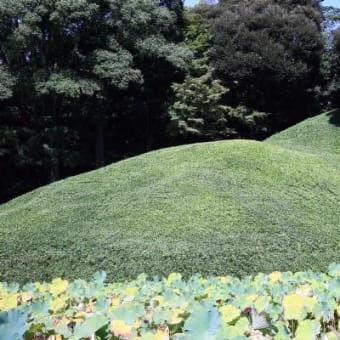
(235, 207)
(318, 135)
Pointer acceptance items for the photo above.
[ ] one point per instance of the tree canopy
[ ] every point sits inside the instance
(85, 83)
(268, 53)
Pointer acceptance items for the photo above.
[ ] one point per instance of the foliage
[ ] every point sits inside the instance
(6, 83)
(89, 82)
(304, 305)
(268, 54)
(198, 109)
(329, 87)
(332, 73)
(198, 112)
(70, 67)
(236, 207)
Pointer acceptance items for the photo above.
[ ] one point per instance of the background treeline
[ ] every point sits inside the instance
(84, 83)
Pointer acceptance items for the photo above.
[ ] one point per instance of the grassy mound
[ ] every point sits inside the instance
(233, 207)
(318, 135)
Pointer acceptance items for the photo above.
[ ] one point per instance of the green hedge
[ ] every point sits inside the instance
(304, 305)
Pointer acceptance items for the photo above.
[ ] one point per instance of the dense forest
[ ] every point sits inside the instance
(85, 83)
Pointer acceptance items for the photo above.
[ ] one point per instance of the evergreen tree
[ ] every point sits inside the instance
(198, 112)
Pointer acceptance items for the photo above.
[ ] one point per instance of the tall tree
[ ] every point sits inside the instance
(198, 112)
(71, 65)
(268, 53)
(330, 66)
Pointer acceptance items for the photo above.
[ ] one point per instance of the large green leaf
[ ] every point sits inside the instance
(202, 323)
(90, 326)
(13, 325)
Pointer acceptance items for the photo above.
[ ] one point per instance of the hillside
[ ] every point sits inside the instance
(318, 135)
(232, 207)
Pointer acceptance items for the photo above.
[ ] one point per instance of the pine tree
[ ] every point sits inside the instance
(198, 111)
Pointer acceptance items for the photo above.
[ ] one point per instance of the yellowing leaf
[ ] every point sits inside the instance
(261, 303)
(89, 308)
(224, 279)
(3, 292)
(9, 302)
(159, 299)
(330, 336)
(237, 330)
(208, 291)
(275, 277)
(175, 317)
(58, 286)
(55, 337)
(251, 298)
(26, 297)
(80, 316)
(307, 329)
(130, 293)
(229, 313)
(310, 303)
(293, 307)
(115, 302)
(173, 277)
(41, 287)
(121, 329)
(162, 333)
(58, 304)
(304, 290)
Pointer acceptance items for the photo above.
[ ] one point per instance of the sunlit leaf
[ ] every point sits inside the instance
(121, 329)
(58, 286)
(293, 307)
(275, 277)
(229, 313)
(173, 277)
(90, 326)
(307, 329)
(58, 304)
(9, 302)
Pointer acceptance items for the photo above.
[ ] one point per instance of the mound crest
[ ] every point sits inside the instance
(232, 207)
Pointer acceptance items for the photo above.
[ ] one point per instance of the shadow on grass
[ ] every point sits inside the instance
(334, 117)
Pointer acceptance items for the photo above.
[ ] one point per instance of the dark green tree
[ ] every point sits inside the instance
(71, 67)
(329, 88)
(268, 53)
(334, 75)
(198, 111)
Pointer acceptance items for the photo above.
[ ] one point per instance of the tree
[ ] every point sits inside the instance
(334, 79)
(71, 67)
(7, 83)
(198, 112)
(268, 53)
(330, 69)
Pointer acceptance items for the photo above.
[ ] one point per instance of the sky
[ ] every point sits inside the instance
(334, 3)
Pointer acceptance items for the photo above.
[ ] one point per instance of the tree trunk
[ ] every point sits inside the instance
(54, 171)
(100, 160)
(54, 144)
